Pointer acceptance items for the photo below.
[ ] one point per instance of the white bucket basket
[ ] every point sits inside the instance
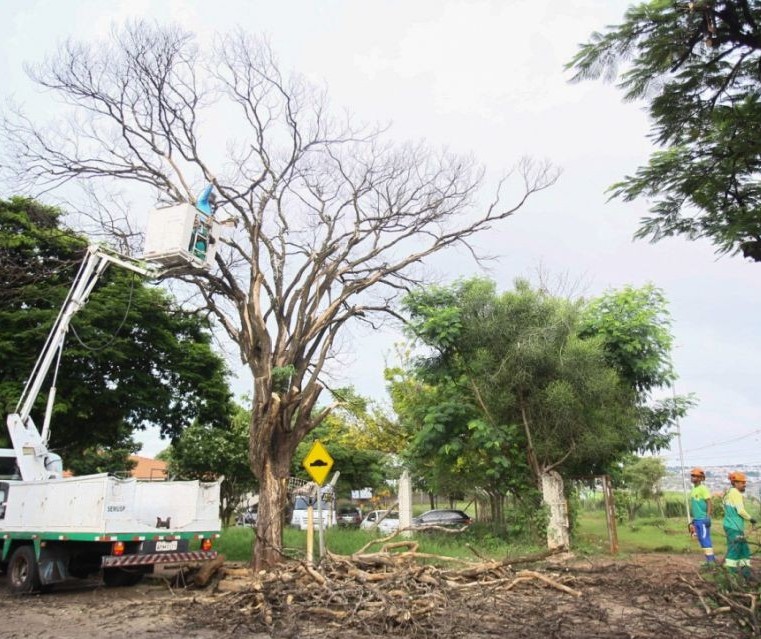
(179, 235)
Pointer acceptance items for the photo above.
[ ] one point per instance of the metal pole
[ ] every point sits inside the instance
(321, 529)
(681, 460)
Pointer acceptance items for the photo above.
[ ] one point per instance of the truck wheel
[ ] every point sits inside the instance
(23, 572)
(115, 577)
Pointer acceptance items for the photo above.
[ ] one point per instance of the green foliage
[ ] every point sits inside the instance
(281, 377)
(634, 325)
(208, 451)
(508, 367)
(635, 328)
(132, 357)
(696, 64)
(717, 507)
(369, 425)
(674, 508)
(642, 476)
(639, 481)
(360, 467)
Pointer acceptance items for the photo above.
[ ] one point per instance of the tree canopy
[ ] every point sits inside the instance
(524, 375)
(514, 384)
(132, 357)
(697, 65)
(635, 328)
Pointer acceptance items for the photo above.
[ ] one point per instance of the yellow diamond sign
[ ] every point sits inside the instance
(318, 463)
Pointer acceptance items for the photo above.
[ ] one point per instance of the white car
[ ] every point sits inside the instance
(300, 515)
(381, 520)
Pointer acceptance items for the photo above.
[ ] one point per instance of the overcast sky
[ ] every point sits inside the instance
(486, 78)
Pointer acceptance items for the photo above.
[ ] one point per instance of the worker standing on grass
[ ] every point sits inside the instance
(735, 516)
(700, 511)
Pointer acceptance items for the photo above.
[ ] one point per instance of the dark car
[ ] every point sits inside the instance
(246, 517)
(349, 516)
(447, 518)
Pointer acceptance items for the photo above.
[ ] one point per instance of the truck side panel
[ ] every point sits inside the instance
(107, 505)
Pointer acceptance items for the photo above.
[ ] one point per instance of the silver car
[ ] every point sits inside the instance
(382, 520)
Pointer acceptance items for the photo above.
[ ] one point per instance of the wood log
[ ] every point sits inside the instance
(207, 570)
(233, 585)
(549, 582)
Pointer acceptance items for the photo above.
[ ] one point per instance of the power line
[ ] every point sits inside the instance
(726, 441)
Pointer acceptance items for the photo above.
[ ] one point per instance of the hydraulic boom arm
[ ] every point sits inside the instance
(34, 459)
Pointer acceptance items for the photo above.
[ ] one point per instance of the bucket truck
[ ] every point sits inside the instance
(52, 527)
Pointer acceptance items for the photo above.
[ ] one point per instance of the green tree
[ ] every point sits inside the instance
(516, 390)
(132, 357)
(207, 451)
(641, 477)
(697, 65)
(520, 359)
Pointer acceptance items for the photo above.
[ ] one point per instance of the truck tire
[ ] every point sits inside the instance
(23, 571)
(115, 577)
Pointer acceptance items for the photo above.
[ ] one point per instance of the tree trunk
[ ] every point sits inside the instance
(268, 544)
(271, 448)
(554, 497)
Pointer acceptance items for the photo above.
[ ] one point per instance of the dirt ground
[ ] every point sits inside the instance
(646, 596)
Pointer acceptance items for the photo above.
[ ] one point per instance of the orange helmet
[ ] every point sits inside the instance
(698, 472)
(737, 476)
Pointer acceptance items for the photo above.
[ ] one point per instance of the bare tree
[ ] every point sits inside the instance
(333, 223)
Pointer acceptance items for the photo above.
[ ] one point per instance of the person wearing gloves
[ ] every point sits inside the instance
(735, 516)
(700, 511)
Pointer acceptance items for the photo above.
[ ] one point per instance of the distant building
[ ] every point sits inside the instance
(147, 468)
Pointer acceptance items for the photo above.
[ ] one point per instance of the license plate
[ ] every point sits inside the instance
(163, 546)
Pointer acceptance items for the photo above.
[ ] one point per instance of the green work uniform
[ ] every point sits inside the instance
(735, 516)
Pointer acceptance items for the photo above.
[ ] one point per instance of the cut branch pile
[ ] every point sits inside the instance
(738, 600)
(394, 590)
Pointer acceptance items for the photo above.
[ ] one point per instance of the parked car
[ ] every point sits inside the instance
(381, 520)
(300, 514)
(349, 516)
(246, 517)
(446, 518)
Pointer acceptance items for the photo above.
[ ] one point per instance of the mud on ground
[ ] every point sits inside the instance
(645, 596)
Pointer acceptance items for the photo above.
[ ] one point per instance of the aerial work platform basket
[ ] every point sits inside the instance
(178, 235)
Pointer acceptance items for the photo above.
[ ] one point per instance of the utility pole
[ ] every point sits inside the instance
(681, 460)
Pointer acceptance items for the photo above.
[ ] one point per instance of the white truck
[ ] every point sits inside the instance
(53, 528)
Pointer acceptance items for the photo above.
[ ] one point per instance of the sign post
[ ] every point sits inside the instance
(317, 463)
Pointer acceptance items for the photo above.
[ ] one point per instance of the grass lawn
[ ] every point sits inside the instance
(645, 534)
(476, 542)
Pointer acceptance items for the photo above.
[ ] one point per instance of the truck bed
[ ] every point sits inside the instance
(103, 504)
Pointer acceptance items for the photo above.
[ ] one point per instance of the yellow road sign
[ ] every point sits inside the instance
(318, 463)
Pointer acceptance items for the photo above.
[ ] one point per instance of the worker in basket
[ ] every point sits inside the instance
(199, 242)
(735, 516)
(700, 513)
